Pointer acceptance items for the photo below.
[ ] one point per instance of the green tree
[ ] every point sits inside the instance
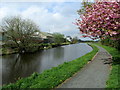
(58, 38)
(85, 4)
(20, 31)
(75, 40)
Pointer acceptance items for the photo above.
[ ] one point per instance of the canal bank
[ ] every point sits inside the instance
(114, 78)
(54, 76)
(93, 75)
(16, 66)
(37, 47)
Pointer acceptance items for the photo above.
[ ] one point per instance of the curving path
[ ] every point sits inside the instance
(93, 75)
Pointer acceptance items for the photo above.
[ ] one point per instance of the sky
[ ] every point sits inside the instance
(49, 16)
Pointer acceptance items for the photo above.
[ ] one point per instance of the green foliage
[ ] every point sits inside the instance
(114, 78)
(58, 38)
(75, 40)
(6, 51)
(84, 5)
(19, 32)
(112, 43)
(53, 77)
(31, 47)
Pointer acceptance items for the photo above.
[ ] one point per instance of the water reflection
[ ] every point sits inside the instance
(58, 53)
(51, 58)
(16, 66)
(23, 65)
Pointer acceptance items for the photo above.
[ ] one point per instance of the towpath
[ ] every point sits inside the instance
(93, 75)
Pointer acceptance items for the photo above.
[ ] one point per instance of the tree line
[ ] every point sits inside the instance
(24, 34)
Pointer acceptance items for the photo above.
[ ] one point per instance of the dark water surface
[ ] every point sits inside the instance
(15, 65)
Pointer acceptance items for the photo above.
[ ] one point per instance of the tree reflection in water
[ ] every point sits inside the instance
(19, 65)
(23, 65)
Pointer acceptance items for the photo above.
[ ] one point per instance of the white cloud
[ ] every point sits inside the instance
(53, 17)
(3, 12)
(44, 0)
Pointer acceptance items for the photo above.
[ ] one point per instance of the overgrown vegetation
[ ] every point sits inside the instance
(58, 38)
(35, 47)
(112, 43)
(7, 51)
(114, 79)
(53, 77)
(20, 32)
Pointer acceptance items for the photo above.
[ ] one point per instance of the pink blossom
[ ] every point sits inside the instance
(114, 33)
(101, 19)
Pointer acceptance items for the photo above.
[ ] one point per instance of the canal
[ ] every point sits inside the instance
(15, 66)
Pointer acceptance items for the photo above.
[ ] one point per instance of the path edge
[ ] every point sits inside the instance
(77, 71)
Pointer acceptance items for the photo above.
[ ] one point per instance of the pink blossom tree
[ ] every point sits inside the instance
(100, 20)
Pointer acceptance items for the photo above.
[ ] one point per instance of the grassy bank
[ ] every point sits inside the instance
(114, 78)
(6, 51)
(53, 77)
(32, 48)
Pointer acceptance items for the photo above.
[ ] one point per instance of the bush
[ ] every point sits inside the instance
(116, 60)
(112, 43)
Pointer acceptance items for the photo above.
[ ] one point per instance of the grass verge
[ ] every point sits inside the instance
(114, 78)
(53, 77)
(31, 48)
(6, 51)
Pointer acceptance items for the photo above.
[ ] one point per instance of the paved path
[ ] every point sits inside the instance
(93, 75)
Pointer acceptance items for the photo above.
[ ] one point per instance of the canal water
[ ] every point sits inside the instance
(15, 65)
